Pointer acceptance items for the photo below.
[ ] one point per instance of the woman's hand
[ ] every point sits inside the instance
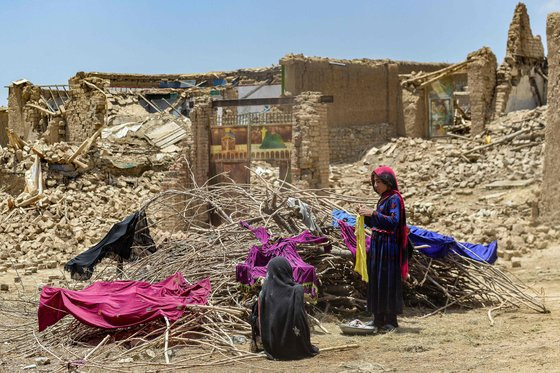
(365, 210)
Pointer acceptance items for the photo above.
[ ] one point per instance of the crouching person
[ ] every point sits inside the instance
(279, 319)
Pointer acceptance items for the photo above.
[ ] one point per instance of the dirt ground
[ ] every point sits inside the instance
(519, 340)
(459, 340)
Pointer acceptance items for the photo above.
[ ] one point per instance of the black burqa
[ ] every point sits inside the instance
(126, 240)
(282, 320)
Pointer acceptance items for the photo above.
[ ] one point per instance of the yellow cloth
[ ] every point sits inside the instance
(361, 261)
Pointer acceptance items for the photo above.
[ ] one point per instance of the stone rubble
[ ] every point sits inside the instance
(451, 194)
(444, 191)
(78, 206)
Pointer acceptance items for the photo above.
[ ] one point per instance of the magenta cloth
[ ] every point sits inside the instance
(254, 266)
(349, 237)
(121, 304)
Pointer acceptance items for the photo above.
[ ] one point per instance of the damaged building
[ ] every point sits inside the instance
(299, 116)
(477, 90)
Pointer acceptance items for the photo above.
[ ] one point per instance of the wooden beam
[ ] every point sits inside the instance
(54, 100)
(173, 107)
(84, 147)
(438, 72)
(264, 101)
(91, 85)
(41, 109)
(438, 77)
(148, 102)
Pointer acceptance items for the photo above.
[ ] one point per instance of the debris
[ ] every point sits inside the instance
(42, 360)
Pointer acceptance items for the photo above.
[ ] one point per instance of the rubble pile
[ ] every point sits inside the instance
(58, 199)
(71, 217)
(76, 206)
(477, 190)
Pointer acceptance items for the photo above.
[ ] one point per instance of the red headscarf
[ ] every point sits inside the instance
(387, 175)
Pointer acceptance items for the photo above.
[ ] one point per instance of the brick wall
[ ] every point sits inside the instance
(365, 91)
(3, 126)
(87, 108)
(481, 75)
(25, 121)
(310, 136)
(201, 117)
(193, 160)
(523, 61)
(347, 144)
(521, 41)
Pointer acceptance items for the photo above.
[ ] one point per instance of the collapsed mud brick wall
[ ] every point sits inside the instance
(367, 103)
(481, 75)
(521, 82)
(311, 153)
(25, 121)
(241, 76)
(550, 192)
(415, 119)
(3, 126)
(87, 108)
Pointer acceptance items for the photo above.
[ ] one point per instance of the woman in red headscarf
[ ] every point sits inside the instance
(387, 260)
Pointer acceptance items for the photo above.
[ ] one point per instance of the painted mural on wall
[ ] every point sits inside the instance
(273, 141)
(441, 102)
(228, 149)
(441, 116)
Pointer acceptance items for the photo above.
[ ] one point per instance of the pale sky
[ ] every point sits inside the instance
(47, 42)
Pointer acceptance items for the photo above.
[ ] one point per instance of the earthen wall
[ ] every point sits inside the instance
(272, 73)
(3, 126)
(367, 97)
(520, 82)
(353, 141)
(25, 121)
(87, 108)
(550, 193)
(481, 75)
(414, 109)
(310, 157)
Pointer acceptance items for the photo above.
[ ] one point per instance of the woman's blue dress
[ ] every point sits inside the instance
(383, 262)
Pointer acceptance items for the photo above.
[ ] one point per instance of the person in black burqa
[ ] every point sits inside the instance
(279, 316)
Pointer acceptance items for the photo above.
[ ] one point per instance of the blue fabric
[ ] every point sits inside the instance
(441, 246)
(344, 216)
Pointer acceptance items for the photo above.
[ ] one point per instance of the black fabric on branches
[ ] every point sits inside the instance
(119, 242)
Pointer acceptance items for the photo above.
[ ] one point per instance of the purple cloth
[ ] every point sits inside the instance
(254, 266)
(349, 237)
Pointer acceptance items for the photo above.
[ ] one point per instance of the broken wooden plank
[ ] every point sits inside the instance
(41, 109)
(434, 73)
(499, 141)
(442, 75)
(91, 85)
(29, 201)
(84, 146)
(148, 102)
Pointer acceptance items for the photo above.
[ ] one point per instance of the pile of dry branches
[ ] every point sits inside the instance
(212, 244)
